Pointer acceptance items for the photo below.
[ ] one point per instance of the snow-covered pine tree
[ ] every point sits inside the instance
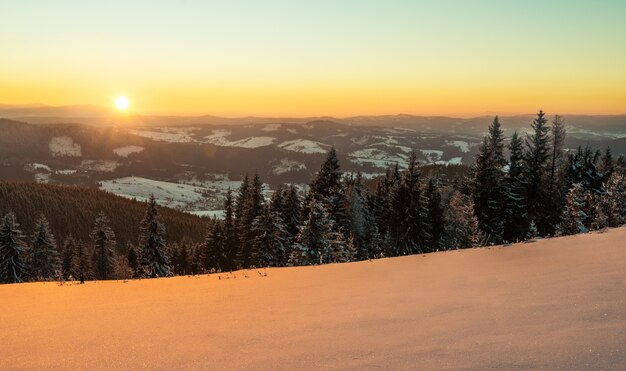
(67, 257)
(253, 207)
(572, 220)
(269, 247)
(327, 188)
(515, 213)
(556, 182)
(291, 212)
(81, 264)
(532, 231)
(599, 220)
(435, 215)
(44, 257)
(381, 206)
(230, 232)
(104, 246)
(615, 199)
(360, 219)
(461, 228)
(213, 250)
(536, 163)
(338, 248)
(12, 251)
(154, 260)
(409, 227)
(133, 259)
(607, 165)
(313, 241)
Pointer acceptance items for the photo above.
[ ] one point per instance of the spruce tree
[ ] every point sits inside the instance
(213, 251)
(81, 264)
(12, 251)
(154, 260)
(515, 213)
(133, 259)
(435, 215)
(104, 246)
(252, 208)
(230, 232)
(572, 220)
(291, 213)
(44, 257)
(536, 164)
(557, 186)
(67, 257)
(327, 188)
(313, 242)
(269, 247)
(614, 202)
(461, 228)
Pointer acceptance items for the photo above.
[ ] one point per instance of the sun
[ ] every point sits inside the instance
(122, 103)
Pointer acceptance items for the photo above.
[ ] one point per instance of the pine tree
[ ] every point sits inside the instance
(515, 213)
(338, 252)
(557, 186)
(81, 264)
(269, 247)
(536, 169)
(12, 251)
(614, 204)
(230, 231)
(461, 228)
(44, 257)
(360, 220)
(213, 250)
(408, 227)
(572, 220)
(489, 188)
(291, 213)
(104, 240)
(607, 164)
(154, 260)
(327, 188)
(67, 257)
(133, 259)
(435, 215)
(313, 242)
(253, 207)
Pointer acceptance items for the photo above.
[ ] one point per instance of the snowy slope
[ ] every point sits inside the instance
(553, 304)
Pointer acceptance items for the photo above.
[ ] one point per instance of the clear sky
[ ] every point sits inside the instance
(301, 58)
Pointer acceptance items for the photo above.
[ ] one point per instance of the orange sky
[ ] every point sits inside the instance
(317, 58)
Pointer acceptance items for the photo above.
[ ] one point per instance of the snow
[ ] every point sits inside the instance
(271, 127)
(452, 161)
(168, 194)
(286, 165)
(106, 166)
(65, 172)
(127, 150)
(461, 144)
(304, 146)
(64, 147)
(376, 157)
(42, 177)
(432, 154)
(35, 166)
(209, 213)
(219, 139)
(168, 134)
(190, 195)
(555, 304)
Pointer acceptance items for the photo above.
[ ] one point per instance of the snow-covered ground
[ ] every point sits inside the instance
(64, 147)
(378, 158)
(191, 195)
(304, 146)
(127, 150)
(286, 165)
(553, 304)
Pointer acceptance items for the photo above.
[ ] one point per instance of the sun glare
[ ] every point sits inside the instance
(121, 103)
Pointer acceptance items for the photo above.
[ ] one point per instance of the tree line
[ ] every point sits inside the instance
(519, 188)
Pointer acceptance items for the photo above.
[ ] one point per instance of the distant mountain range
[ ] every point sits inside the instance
(598, 127)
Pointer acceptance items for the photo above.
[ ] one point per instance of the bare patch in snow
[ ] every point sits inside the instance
(432, 154)
(64, 147)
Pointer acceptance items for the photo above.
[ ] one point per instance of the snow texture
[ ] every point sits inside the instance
(127, 150)
(304, 146)
(64, 147)
(555, 304)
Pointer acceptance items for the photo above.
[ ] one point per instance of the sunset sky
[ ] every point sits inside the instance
(304, 58)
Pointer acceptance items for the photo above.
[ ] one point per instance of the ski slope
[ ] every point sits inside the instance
(552, 304)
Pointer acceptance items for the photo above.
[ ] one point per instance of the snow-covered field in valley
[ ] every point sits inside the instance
(552, 304)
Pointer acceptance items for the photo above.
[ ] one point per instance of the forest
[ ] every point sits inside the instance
(519, 188)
